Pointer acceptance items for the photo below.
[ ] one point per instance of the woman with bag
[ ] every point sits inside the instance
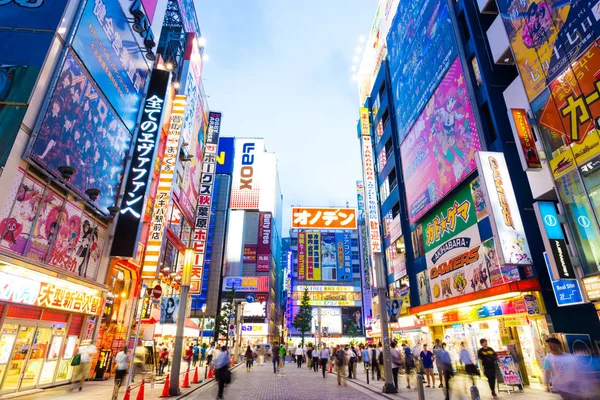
(249, 357)
(222, 372)
(81, 362)
(396, 362)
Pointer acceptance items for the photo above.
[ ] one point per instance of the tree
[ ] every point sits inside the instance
(353, 331)
(222, 322)
(303, 319)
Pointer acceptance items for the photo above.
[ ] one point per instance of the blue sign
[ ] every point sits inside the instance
(421, 47)
(225, 153)
(250, 298)
(566, 291)
(106, 44)
(550, 219)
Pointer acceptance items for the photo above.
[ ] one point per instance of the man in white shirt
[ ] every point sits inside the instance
(209, 353)
(82, 371)
(323, 358)
(560, 371)
(315, 359)
(121, 361)
(299, 353)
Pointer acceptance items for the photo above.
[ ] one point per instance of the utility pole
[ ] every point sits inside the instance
(388, 387)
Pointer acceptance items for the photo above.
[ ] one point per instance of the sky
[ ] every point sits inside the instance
(281, 70)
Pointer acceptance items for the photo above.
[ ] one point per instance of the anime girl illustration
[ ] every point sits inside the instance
(538, 25)
(460, 282)
(480, 278)
(446, 288)
(88, 238)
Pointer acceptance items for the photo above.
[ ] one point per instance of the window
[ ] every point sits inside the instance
(464, 28)
(355, 255)
(294, 241)
(476, 71)
(354, 242)
(488, 123)
(385, 118)
(389, 146)
(393, 179)
(395, 210)
(384, 190)
(381, 92)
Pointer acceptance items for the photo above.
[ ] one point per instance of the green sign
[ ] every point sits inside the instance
(450, 218)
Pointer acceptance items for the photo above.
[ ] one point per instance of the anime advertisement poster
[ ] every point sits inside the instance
(46, 226)
(478, 199)
(26, 32)
(546, 35)
(169, 307)
(81, 131)
(423, 288)
(421, 47)
(439, 151)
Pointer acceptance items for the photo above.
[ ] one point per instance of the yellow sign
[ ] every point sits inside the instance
(365, 124)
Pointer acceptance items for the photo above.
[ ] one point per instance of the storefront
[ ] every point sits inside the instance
(42, 319)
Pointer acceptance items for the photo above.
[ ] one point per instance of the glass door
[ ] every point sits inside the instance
(18, 359)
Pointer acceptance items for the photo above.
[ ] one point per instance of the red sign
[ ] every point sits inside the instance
(157, 292)
(301, 255)
(531, 157)
(261, 298)
(263, 250)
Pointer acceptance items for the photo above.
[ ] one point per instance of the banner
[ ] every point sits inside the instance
(169, 308)
(249, 254)
(344, 257)
(508, 370)
(301, 255)
(352, 321)
(421, 47)
(505, 217)
(529, 156)
(424, 289)
(263, 251)
(245, 185)
(246, 283)
(372, 205)
(323, 218)
(107, 47)
(313, 255)
(554, 240)
(225, 155)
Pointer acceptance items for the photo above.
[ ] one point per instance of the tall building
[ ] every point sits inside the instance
(447, 199)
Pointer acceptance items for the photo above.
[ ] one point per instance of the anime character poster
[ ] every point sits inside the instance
(423, 288)
(439, 151)
(169, 307)
(68, 233)
(491, 261)
(46, 227)
(478, 199)
(89, 246)
(421, 47)
(545, 35)
(81, 131)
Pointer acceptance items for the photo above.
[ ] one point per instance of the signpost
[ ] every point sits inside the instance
(157, 291)
(250, 298)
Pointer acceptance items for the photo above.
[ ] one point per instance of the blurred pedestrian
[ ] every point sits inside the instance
(315, 358)
(465, 359)
(560, 372)
(365, 356)
(427, 358)
(409, 363)
(202, 354)
(276, 356)
(299, 354)
(282, 353)
(437, 347)
(249, 357)
(340, 364)
(121, 361)
(488, 358)
(189, 356)
(324, 355)
(163, 360)
(351, 355)
(196, 355)
(396, 362)
(222, 373)
(447, 371)
(374, 363)
(261, 355)
(81, 372)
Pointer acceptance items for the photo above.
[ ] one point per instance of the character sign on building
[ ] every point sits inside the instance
(323, 218)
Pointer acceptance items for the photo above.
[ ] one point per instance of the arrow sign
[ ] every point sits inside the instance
(250, 298)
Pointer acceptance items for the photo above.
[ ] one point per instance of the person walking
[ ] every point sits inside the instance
(189, 356)
(222, 373)
(465, 359)
(196, 354)
(437, 347)
(350, 355)
(340, 365)
(308, 354)
(276, 356)
(365, 356)
(396, 363)
(324, 355)
(261, 355)
(282, 352)
(82, 371)
(409, 363)
(202, 354)
(427, 358)
(374, 364)
(299, 354)
(209, 353)
(249, 357)
(121, 360)
(315, 358)
(380, 363)
(446, 372)
(488, 358)
(561, 372)
(163, 360)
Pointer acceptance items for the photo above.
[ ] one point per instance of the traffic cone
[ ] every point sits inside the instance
(196, 379)
(186, 380)
(127, 393)
(210, 373)
(331, 368)
(232, 362)
(165, 391)
(140, 395)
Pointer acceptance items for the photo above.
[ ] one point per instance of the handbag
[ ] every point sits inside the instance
(227, 376)
(76, 360)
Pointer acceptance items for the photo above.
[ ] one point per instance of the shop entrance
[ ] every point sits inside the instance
(23, 350)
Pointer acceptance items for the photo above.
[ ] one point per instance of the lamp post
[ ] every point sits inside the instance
(186, 277)
(202, 325)
(388, 387)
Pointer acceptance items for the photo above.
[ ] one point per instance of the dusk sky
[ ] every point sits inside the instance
(282, 70)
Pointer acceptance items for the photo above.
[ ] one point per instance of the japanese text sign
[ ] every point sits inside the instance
(301, 255)
(323, 218)
(344, 257)
(313, 256)
(372, 205)
(263, 262)
(530, 158)
(365, 125)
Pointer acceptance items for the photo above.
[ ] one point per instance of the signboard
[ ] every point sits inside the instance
(439, 151)
(331, 320)
(508, 370)
(554, 240)
(313, 255)
(246, 283)
(352, 321)
(344, 257)
(365, 123)
(567, 292)
(250, 298)
(504, 211)
(592, 287)
(106, 44)
(263, 251)
(249, 254)
(323, 218)
(163, 192)
(320, 288)
(255, 329)
(245, 186)
(205, 197)
(142, 165)
(225, 155)
(301, 255)
(529, 156)
(372, 205)
(421, 47)
(169, 308)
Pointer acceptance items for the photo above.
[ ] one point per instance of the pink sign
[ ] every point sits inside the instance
(263, 251)
(439, 151)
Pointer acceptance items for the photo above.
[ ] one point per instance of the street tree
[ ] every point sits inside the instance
(303, 319)
(222, 322)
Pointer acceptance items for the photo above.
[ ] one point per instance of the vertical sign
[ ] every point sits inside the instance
(205, 192)
(365, 125)
(310, 267)
(163, 192)
(245, 186)
(529, 156)
(504, 211)
(347, 257)
(263, 252)
(372, 206)
(144, 153)
(567, 292)
(301, 255)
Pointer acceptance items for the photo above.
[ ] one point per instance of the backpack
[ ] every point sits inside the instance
(340, 357)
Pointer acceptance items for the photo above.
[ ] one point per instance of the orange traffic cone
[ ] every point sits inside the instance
(165, 391)
(232, 362)
(196, 379)
(140, 395)
(331, 368)
(127, 393)
(186, 380)
(210, 373)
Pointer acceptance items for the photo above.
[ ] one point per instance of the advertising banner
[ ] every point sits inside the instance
(344, 242)
(163, 192)
(265, 233)
(225, 155)
(352, 321)
(546, 35)
(505, 217)
(478, 199)
(313, 255)
(423, 288)
(554, 240)
(529, 156)
(567, 292)
(323, 218)
(508, 370)
(249, 254)
(107, 47)
(301, 255)
(169, 307)
(396, 262)
(365, 123)
(331, 320)
(245, 186)
(27, 29)
(133, 204)
(246, 283)
(255, 329)
(372, 205)
(439, 151)
(80, 130)
(421, 47)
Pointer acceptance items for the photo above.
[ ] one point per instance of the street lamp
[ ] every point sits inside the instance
(186, 278)
(202, 325)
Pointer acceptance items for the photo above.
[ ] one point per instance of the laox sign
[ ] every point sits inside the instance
(247, 171)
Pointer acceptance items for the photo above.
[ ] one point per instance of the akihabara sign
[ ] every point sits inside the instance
(263, 253)
(163, 193)
(323, 218)
(504, 216)
(245, 186)
(372, 206)
(205, 194)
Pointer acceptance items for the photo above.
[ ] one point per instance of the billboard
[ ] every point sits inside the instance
(323, 218)
(421, 47)
(265, 233)
(344, 257)
(505, 217)
(439, 151)
(225, 155)
(529, 156)
(372, 205)
(329, 256)
(169, 308)
(249, 256)
(331, 320)
(546, 35)
(246, 283)
(80, 130)
(107, 47)
(352, 320)
(301, 255)
(554, 240)
(26, 32)
(313, 256)
(245, 186)
(142, 166)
